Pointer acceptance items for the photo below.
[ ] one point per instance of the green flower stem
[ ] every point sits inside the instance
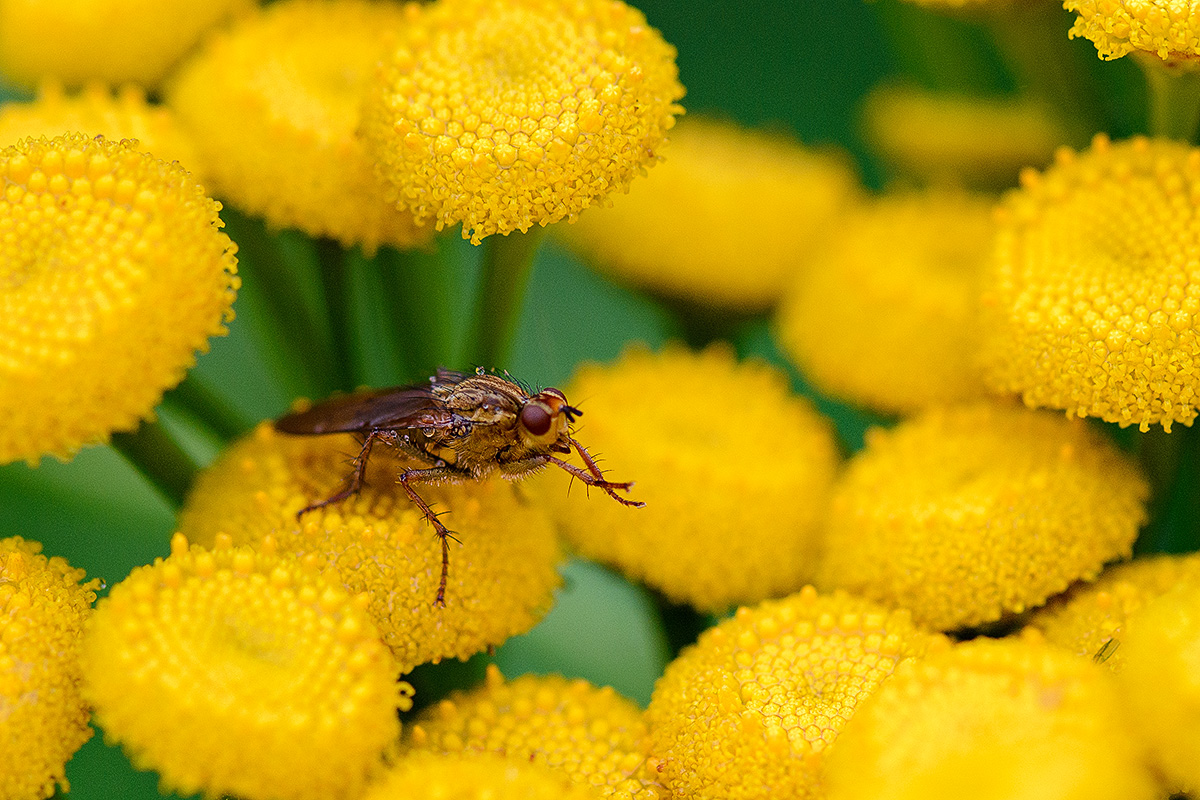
(417, 305)
(1174, 98)
(155, 453)
(937, 52)
(1172, 463)
(338, 275)
(197, 399)
(1033, 41)
(507, 264)
(281, 285)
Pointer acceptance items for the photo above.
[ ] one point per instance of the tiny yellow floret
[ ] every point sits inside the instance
(112, 41)
(44, 604)
(242, 672)
(274, 106)
(735, 472)
(1161, 683)
(1092, 300)
(474, 776)
(502, 569)
(113, 274)
(503, 116)
(1169, 29)
(726, 220)
(949, 139)
(752, 709)
(590, 733)
(967, 514)
(98, 110)
(886, 315)
(1090, 620)
(992, 719)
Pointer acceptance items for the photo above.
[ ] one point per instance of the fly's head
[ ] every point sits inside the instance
(544, 421)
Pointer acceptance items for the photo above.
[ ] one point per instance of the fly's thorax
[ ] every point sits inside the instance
(484, 400)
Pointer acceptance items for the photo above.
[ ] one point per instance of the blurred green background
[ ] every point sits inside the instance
(800, 66)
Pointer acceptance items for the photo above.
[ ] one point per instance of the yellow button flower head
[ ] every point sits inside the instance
(274, 104)
(113, 41)
(113, 273)
(502, 574)
(885, 317)
(752, 709)
(1161, 683)
(97, 110)
(718, 528)
(951, 138)
(43, 718)
(991, 719)
(723, 196)
(1169, 29)
(474, 776)
(1090, 619)
(231, 671)
(592, 734)
(965, 515)
(1092, 303)
(506, 115)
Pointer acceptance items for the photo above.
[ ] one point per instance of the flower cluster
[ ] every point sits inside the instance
(938, 603)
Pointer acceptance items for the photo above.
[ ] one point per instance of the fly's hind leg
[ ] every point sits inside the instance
(410, 476)
(355, 483)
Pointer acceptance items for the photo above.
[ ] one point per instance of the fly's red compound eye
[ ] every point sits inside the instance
(535, 419)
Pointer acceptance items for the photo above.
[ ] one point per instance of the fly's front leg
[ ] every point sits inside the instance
(356, 479)
(594, 477)
(410, 476)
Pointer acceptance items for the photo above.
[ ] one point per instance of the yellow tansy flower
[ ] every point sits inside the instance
(752, 709)
(113, 273)
(97, 110)
(274, 104)
(234, 671)
(885, 316)
(965, 515)
(507, 115)
(114, 41)
(951, 138)
(991, 719)
(1090, 619)
(1092, 303)
(592, 734)
(502, 570)
(474, 776)
(1161, 682)
(43, 718)
(1169, 29)
(720, 526)
(726, 220)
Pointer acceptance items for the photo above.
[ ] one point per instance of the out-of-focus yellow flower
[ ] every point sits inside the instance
(1090, 619)
(885, 317)
(235, 671)
(113, 41)
(274, 104)
(965, 515)
(502, 571)
(97, 110)
(1092, 303)
(43, 718)
(751, 710)
(726, 220)
(474, 776)
(1169, 29)
(593, 734)
(1161, 683)
(720, 526)
(952, 138)
(113, 273)
(502, 116)
(991, 719)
